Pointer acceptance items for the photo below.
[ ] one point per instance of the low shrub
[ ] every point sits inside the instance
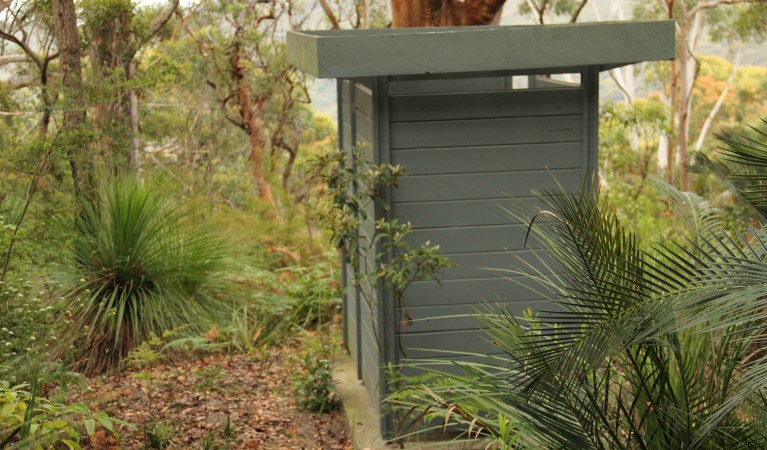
(29, 330)
(29, 421)
(313, 382)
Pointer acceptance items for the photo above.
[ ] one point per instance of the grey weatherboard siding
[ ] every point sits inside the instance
(477, 122)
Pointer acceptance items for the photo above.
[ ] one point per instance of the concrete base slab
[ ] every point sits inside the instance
(364, 422)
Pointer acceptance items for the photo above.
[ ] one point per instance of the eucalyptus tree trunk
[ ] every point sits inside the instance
(436, 13)
(75, 142)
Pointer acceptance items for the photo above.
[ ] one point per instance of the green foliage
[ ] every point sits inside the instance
(628, 142)
(147, 353)
(313, 382)
(146, 266)
(743, 165)
(356, 186)
(314, 295)
(640, 350)
(157, 435)
(29, 331)
(31, 422)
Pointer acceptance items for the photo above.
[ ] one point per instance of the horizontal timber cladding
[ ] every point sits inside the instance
(421, 319)
(475, 239)
(471, 291)
(462, 213)
(497, 264)
(475, 186)
(471, 132)
(492, 158)
(443, 343)
(445, 363)
(363, 98)
(447, 85)
(485, 105)
(364, 126)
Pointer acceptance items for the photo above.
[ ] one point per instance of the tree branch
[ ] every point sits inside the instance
(201, 45)
(577, 13)
(10, 59)
(330, 15)
(31, 53)
(20, 84)
(618, 79)
(162, 20)
(720, 101)
(714, 3)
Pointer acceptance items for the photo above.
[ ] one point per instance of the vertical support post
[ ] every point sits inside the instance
(387, 321)
(357, 295)
(344, 276)
(591, 116)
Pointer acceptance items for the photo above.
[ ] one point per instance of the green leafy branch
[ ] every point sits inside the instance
(355, 187)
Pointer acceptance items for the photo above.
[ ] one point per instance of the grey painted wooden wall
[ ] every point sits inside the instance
(468, 146)
(363, 323)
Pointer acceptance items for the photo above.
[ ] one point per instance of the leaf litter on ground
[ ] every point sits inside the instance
(240, 401)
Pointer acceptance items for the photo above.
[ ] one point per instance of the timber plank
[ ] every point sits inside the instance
(484, 105)
(496, 287)
(464, 133)
(430, 188)
(495, 158)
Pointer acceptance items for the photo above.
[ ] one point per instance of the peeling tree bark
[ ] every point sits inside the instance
(437, 13)
(250, 114)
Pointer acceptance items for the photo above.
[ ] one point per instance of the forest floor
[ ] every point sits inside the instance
(240, 401)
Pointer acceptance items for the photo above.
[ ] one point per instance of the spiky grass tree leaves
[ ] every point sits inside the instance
(144, 265)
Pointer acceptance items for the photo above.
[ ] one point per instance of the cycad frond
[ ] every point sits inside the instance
(699, 215)
(742, 163)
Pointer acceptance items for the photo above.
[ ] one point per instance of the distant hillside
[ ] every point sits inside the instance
(323, 95)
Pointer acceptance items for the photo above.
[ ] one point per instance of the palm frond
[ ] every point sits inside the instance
(699, 215)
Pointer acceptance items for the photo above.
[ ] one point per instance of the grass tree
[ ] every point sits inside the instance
(144, 265)
(640, 350)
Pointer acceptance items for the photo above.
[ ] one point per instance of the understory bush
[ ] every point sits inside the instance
(313, 382)
(28, 421)
(30, 328)
(145, 265)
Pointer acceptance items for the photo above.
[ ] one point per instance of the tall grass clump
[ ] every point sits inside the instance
(144, 266)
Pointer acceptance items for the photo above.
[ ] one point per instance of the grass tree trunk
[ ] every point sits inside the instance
(436, 13)
(75, 141)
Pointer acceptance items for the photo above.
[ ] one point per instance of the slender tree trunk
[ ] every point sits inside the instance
(670, 163)
(45, 117)
(257, 146)
(681, 108)
(76, 145)
(250, 114)
(134, 160)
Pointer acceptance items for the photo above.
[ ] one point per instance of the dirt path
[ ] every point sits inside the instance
(217, 402)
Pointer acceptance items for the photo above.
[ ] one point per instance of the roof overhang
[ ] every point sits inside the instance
(443, 50)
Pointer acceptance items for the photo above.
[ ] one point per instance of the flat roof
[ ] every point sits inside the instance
(475, 49)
